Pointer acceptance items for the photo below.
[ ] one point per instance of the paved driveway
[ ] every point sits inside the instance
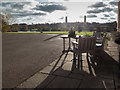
(25, 54)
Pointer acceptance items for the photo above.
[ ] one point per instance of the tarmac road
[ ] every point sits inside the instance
(25, 54)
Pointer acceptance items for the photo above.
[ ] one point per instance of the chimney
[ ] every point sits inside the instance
(84, 19)
(66, 19)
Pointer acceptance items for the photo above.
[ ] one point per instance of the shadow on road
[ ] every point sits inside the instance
(52, 37)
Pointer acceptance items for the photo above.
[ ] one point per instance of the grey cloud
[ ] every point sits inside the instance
(91, 16)
(106, 15)
(17, 6)
(112, 18)
(27, 14)
(97, 5)
(100, 10)
(66, 0)
(16, 9)
(111, 14)
(51, 8)
(115, 10)
(107, 9)
(5, 4)
(113, 3)
(94, 11)
(29, 18)
(104, 18)
(38, 14)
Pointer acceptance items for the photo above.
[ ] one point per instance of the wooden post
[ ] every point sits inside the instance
(63, 44)
(69, 43)
(118, 23)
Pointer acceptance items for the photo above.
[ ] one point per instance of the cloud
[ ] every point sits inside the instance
(94, 11)
(112, 18)
(91, 16)
(4, 4)
(106, 9)
(115, 10)
(61, 18)
(27, 14)
(106, 15)
(32, 11)
(50, 8)
(66, 0)
(17, 5)
(104, 18)
(98, 4)
(113, 3)
(30, 8)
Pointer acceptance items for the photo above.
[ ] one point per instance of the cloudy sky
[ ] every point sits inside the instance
(53, 11)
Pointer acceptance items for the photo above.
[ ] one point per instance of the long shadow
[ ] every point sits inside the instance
(61, 78)
(58, 62)
(52, 37)
(89, 64)
(105, 67)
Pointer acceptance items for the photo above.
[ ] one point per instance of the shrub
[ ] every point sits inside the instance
(116, 37)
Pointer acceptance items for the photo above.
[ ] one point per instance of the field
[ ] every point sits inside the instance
(58, 32)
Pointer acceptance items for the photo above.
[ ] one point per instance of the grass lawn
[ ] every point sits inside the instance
(58, 32)
(21, 32)
(66, 32)
(84, 33)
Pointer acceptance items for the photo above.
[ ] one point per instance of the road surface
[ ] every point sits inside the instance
(25, 54)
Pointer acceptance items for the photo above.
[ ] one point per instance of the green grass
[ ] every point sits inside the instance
(84, 33)
(21, 32)
(66, 32)
(58, 32)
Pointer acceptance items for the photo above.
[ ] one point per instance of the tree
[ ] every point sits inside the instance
(5, 21)
(15, 27)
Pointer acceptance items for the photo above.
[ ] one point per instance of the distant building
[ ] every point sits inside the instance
(84, 19)
(66, 20)
(85, 24)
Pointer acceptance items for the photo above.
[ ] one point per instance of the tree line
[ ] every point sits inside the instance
(78, 26)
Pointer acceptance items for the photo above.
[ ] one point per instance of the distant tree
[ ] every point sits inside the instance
(15, 27)
(23, 27)
(79, 29)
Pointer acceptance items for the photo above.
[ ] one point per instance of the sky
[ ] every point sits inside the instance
(55, 11)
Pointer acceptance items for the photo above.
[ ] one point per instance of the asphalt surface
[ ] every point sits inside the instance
(25, 54)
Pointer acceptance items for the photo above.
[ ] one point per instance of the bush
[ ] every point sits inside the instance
(116, 37)
(108, 37)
